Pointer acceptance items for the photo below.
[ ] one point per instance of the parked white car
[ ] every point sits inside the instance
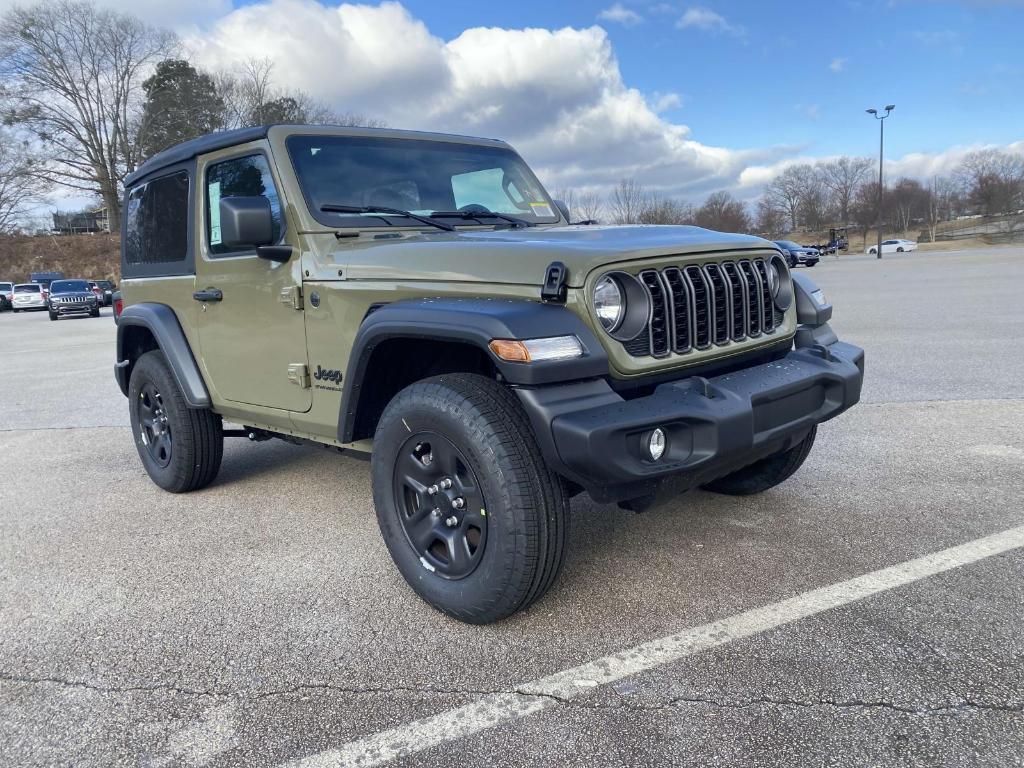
(893, 246)
(29, 296)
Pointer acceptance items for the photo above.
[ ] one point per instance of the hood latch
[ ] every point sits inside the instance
(554, 288)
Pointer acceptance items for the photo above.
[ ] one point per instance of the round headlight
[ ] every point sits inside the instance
(608, 303)
(779, 282)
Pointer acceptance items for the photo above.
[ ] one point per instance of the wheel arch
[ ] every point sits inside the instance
(150, 326)
(409, 340)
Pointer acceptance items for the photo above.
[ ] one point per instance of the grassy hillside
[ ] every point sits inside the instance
(94, 257)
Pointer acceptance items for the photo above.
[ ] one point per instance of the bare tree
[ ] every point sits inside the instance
(771, 220)
(251, 98)
(723, 212)
(658, 209)
(18, 185)
(842, 176)
(627, 202)
(71, 75)
(786, 191)
(589, 206)
(993, 180)
(906, 202)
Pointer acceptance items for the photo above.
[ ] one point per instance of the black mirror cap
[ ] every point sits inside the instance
(246, 221)
(278, 253)
(563, 209)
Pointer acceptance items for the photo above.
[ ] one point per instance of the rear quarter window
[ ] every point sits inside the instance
(156, 226)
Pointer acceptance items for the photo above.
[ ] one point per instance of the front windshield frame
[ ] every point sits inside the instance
(314, 199)
(68, 286)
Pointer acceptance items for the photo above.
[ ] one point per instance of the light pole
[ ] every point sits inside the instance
(881, 147)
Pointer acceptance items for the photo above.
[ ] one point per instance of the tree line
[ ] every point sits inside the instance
(87, 94)
(812, 197)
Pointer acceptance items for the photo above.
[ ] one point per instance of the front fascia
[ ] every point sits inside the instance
(623, 365)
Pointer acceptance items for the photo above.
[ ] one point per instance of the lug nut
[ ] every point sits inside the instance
(446, 484)
(433, 489)
(459, 503)
(436, 511)
(427, 458)
(452, 521)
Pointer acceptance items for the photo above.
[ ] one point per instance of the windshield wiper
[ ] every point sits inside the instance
(479, 214)
(331, 208)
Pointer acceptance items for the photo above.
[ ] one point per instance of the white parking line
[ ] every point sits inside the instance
(535, 696)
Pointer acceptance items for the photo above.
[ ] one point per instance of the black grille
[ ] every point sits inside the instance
(696, 306)
(719, 302)
(737, 300)
(701, 305)
(682, 303)
(658, 326)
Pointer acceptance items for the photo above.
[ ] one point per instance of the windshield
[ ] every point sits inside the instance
(416, 176)
(788, 244)
(26, 288)
(69, 286)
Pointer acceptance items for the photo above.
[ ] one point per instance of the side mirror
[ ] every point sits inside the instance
(246, 221)
(563, 209)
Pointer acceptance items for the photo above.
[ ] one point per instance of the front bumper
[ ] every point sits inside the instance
(595, 438)
(77, 308)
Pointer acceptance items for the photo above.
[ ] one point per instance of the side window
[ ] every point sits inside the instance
(247, 176)
(156, 221)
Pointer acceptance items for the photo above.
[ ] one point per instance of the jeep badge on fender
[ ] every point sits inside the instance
(492, 356)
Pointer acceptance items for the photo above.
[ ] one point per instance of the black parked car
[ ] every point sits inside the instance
(798, 255)
(72, 297)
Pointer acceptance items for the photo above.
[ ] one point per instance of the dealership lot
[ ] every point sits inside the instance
(261, 621)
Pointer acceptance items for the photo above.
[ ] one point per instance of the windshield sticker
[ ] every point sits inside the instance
(213, 193)
(542, 210)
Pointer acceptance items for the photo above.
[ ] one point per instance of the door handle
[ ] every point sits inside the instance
(210, 294)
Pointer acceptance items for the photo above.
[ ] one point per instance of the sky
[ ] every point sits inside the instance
(686, 98)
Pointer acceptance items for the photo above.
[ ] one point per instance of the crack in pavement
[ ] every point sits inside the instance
(577, 702)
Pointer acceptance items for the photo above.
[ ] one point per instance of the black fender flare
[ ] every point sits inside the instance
(477, 322)
(160, 320)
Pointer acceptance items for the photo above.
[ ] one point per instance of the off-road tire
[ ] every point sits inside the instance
(766, 473)
(527, 506)
(53, 315)
(197, 436)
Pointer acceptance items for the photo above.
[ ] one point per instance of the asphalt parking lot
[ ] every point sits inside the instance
(261, 621)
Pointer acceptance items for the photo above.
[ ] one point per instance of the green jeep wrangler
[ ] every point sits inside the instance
(420, 298)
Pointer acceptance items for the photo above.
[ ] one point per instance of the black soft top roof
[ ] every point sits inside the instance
(211, 142)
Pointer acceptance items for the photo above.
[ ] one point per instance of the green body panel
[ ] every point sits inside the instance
(245, 344)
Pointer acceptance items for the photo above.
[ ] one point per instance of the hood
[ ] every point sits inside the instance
(521, 256)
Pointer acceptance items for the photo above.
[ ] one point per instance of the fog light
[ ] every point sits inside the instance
(656, 444)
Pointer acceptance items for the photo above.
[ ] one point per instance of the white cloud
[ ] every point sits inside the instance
(662, 102)
(619, 14)
(557, 95)
(837, 65)
(698, 17)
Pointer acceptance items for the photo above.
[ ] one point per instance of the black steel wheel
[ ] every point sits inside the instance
(154, 425)
(180, 447)
(473, 518)
(440, 503)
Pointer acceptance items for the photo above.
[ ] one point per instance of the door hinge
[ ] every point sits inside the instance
(298, 373)
(292, 296)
